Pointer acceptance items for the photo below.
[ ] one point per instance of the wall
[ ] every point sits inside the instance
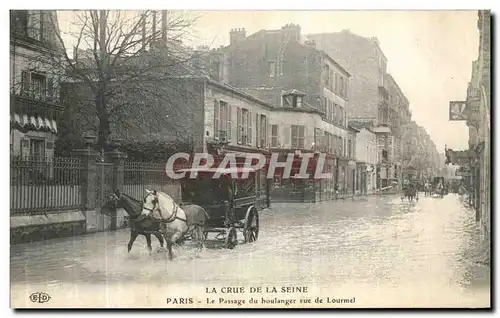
(357, 55)
(366, 147)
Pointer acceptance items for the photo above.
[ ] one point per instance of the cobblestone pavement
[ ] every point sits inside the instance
(423, 253)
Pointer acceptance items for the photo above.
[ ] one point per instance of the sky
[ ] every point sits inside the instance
(429, 53)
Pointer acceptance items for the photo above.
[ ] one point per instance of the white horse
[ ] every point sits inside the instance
(174, 221)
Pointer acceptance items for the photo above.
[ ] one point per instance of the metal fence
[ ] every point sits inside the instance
(139, 176)
(44, 184)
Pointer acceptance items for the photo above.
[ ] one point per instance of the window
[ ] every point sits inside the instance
(325, 106)
(336, 84)
(327, 74)
(297, 136)
(330, 77)
(349, 148)
(342, 147)
(341, 116)
(244, 123)
(37, 148)
(222, 120)
(38, 89)
(274, 136)
(272, 69)
(298, 101)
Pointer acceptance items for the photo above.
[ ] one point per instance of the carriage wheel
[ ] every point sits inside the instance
(251, 228)
(231, 239)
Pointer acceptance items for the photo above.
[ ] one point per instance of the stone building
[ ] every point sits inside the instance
(366, 157)
(478, 110)
(373, 95)
(270, 63)
(34, 83)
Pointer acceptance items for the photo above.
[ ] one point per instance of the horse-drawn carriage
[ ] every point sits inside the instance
(231, 198)
(214, 200)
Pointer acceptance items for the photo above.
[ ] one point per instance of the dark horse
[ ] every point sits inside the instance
(133, 208)
(410, 192)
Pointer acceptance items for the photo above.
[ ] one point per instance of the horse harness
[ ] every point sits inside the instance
(171, 218)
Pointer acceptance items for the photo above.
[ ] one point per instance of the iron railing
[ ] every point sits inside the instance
(39, 185)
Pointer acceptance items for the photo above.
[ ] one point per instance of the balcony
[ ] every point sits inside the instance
(24, 105)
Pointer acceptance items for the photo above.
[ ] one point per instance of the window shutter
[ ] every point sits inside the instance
(50, 88)
(257, 130)
(249, 133)
(25, 83)
(216, 118)
(301, 137)
(229, 122)
(239, 127)
(270, 136)
(294, 136)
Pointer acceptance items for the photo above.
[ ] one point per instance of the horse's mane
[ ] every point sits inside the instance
(130, 198)
(135, 204)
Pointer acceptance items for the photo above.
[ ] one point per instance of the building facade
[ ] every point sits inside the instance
(34, 83)
(478, 112)
(373, 95)
(366, 157)
(271, 63)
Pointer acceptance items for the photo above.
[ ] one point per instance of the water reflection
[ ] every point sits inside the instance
(423, 248)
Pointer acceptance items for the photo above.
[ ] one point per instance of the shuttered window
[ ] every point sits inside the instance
(297, 136)
(249, 128)
(216, 118)
(239, 124)
(274, 136)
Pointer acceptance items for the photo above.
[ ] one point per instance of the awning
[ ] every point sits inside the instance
(33, 122)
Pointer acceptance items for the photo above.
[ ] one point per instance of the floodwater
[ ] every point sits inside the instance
(380, 250)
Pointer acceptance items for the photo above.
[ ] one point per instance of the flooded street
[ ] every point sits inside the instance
(378, 249)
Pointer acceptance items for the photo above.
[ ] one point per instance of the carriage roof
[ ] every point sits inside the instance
(224, 171)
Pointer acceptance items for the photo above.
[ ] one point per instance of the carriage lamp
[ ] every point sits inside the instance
(90, 139)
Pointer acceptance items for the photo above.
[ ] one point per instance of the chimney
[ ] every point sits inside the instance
(310, 43)
(293, 31)
(237, 35)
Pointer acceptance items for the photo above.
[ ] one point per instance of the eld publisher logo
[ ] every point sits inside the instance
(39, 297)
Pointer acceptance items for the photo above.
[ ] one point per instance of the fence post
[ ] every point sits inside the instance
(87, 178)
(118, 159)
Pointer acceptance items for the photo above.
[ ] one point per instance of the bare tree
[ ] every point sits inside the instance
(122, 75)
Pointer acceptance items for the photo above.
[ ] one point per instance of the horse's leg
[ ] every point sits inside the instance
(169, 248)
(171, 242)
(148, 241)
(133, 236)
(160, 238)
